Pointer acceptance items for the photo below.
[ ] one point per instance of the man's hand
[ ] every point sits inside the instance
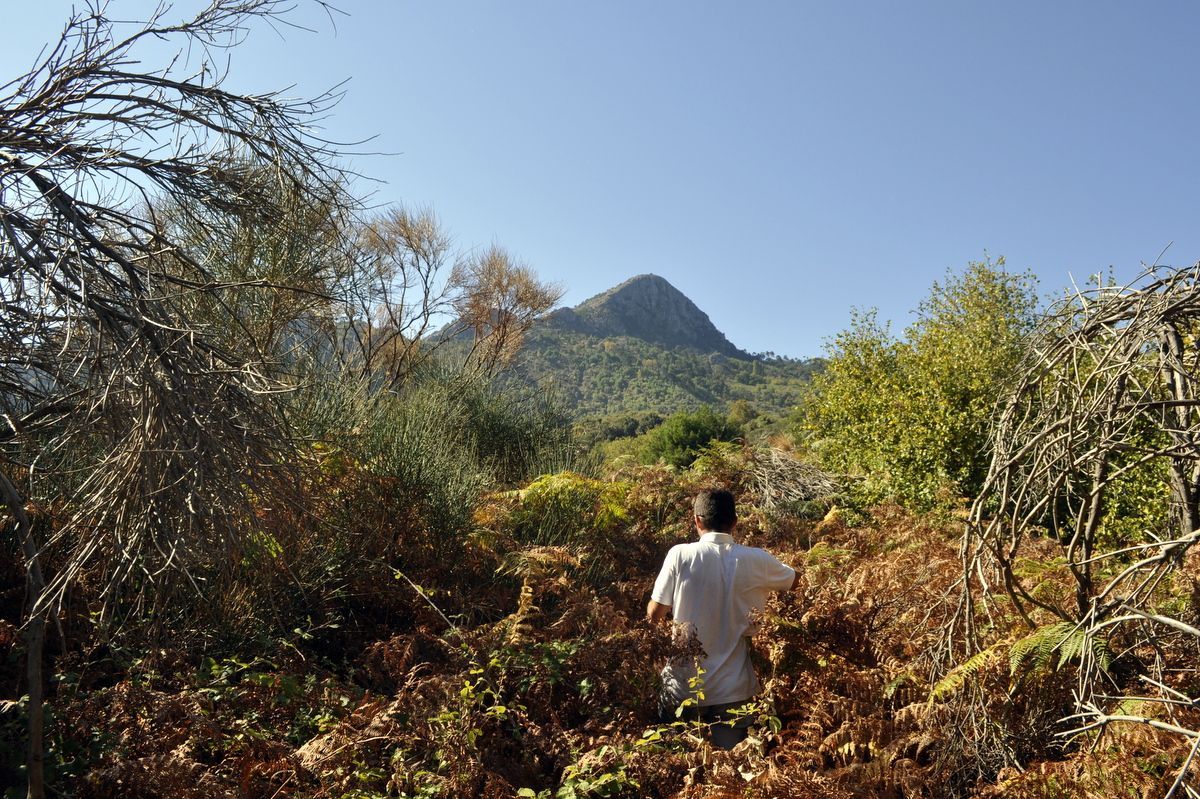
(657, 612)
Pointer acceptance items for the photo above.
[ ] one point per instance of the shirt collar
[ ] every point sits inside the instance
(716, 538)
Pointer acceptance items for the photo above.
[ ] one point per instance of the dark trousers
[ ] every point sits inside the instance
(727, 727)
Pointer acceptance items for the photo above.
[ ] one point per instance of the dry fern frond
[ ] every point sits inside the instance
(518, 626)
(541, 563)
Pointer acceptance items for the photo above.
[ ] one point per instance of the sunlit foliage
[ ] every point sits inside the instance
(911, 414)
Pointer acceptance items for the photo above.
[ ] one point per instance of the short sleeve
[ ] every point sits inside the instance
(776, 576)
(664, 584)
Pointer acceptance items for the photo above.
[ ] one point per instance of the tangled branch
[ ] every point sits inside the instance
(781, 480)
(1106, 406)
(112, 392)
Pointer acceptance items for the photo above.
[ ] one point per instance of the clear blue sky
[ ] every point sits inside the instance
(779, 162)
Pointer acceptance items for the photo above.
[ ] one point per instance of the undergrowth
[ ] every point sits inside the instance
(508, 657)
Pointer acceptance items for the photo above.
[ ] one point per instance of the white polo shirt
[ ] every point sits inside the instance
(711, 586)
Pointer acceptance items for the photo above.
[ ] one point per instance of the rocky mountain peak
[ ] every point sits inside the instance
(649, 308)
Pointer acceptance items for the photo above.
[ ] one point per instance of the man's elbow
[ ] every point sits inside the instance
(656, 611)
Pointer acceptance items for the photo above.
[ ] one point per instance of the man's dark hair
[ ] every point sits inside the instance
(716, 510)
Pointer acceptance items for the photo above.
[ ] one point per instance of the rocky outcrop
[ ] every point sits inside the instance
(649, 308)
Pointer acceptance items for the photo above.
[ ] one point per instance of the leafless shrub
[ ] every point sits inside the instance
(100, 351)
(500, 300)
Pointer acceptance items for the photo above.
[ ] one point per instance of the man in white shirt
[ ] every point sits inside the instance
(710, 587)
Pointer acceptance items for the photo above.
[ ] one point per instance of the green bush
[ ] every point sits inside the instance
(911, 415)
(567, 508)
(444, 439)
(683, 436)
(391, 481)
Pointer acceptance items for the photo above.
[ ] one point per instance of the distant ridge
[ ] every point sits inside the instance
(649, 308)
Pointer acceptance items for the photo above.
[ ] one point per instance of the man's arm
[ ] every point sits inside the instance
(656, 611)
(776, 575)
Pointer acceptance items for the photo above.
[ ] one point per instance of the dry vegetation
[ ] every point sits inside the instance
(518, 661)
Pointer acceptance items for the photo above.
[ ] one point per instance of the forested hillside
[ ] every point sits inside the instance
(643, 347)
(620, 375)
(266, 535)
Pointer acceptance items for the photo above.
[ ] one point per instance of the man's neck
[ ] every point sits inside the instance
(714, 533)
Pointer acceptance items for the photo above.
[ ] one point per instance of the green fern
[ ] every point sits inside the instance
(1071, 647)
(1064, 637)
(1038, 647)
(823, 554)
(957, 676)
(1131, 706)
(898, 682)
(1102, 652)
(1037, 569)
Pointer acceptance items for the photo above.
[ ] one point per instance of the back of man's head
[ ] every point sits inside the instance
(715, 509)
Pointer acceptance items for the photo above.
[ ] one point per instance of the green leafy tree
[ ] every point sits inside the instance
(742, 412)
(912, 414)
(681, 438)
